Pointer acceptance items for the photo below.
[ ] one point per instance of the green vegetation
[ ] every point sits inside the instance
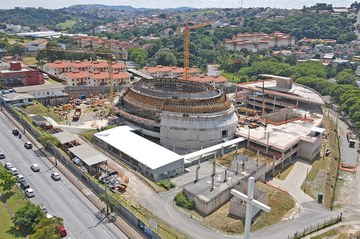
(165, 183)
(89, 134)
(39, 109)
(27, 217)
(285, 173)
(48, 139)
(29, 60)
(310, 25)
(14, 199)
(7, 181)
(279, 201)
(327, 234)
(322, 176)
(182, 200)
(68, 24)
(48, 228)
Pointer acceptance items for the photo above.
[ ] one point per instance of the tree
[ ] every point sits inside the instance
(17, 50)
(138, 55)
(47, 140)
(346, 77)
(48, 228)
(27, 217)
(110, 203)
(7, 180)
(165, 57)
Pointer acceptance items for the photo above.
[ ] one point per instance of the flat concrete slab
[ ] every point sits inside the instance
(293, 181)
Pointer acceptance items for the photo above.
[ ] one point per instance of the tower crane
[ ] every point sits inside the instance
(186, 31)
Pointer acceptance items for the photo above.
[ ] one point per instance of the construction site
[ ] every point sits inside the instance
(280, 119)
(182, 116)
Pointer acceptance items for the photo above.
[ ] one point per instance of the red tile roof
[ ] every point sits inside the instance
(77, 74)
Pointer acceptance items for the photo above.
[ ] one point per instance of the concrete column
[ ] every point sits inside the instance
(273, 169)
(214, 166)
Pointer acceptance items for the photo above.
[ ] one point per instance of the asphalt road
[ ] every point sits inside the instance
(348, 155)
(81, 218)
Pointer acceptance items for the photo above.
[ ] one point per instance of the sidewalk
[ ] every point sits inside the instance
(293, 181)
(118, 221)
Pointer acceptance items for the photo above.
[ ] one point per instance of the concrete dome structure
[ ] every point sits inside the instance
(183, 115)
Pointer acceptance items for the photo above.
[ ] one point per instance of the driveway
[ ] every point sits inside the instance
(293, 181)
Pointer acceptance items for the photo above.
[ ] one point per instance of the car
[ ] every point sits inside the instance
(24, 185)
(8, 166)
(43, 208)
(46, 76)
(55, 176)
(15, 132)
(2, 155)
(62, 231)
(20, 178)
(29, 193)
(13, 171)
(35, 167)
(28, 145)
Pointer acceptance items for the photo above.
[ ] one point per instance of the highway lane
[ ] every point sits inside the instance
(61, 198)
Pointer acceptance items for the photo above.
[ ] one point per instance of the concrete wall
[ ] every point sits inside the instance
(207, 206)
(170, 170)
(196, 131)
(308, 150)
(238, 206)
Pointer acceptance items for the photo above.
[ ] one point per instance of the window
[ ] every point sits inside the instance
(224, 133)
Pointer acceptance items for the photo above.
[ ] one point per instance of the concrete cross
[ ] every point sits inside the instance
(250, 202)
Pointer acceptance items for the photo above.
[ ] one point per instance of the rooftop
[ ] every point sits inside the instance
(88, 154)
(146, 152)
(39, 87)
(297, 91)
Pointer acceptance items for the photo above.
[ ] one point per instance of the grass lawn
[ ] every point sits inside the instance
(285, 173)
(67, 24)
(322, 176)
(29, 60)
(15, 199)
(6, 223)
(280, 202)
(39, 109)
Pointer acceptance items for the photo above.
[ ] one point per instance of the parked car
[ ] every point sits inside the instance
(2, 155)
(15, 132)
(35, 167)
(29, 193)
(28, 145)
(55, 176)
(8, 166)
(13, 171)
(20, 178)
(24, 185)
(62, 231)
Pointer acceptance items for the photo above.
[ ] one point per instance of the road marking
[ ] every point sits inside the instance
(106, 233)
(74, 201)
(89, 216)
(62, 187)
(167, 209)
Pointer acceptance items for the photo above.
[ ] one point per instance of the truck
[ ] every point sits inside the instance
(77, 114)
(351, 139)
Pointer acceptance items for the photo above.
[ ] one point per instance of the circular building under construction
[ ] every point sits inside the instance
(185, 116)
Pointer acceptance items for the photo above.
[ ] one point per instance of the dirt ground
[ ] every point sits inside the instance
(280, 202)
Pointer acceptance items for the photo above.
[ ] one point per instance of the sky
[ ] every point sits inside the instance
(5, 4)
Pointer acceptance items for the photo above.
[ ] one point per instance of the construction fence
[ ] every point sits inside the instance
(316, 227)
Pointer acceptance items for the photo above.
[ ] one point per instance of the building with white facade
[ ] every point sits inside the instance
(259, 41)
(87, 73)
